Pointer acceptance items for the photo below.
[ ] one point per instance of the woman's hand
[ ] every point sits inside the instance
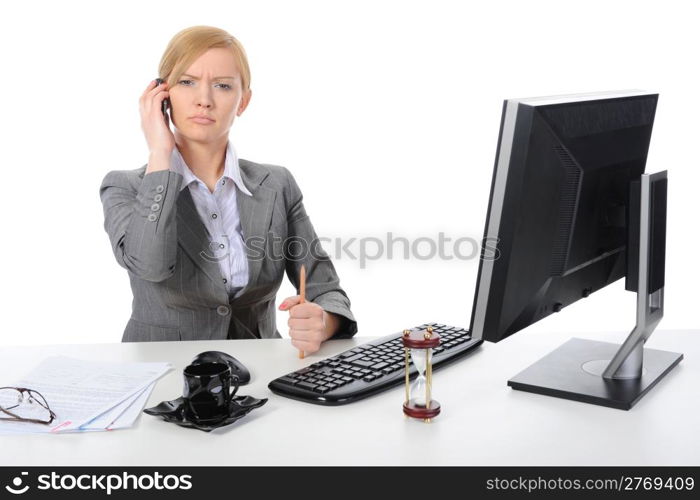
(159, 137)
(309, 324)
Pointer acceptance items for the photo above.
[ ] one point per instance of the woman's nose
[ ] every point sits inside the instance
(204, 97)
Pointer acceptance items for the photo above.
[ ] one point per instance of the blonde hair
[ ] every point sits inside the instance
(187, 45)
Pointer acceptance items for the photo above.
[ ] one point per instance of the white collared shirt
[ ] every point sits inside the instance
(219, 213)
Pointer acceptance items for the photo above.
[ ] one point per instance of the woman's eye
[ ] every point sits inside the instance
(189, 83)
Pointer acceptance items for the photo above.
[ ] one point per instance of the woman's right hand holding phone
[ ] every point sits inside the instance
(154, 124)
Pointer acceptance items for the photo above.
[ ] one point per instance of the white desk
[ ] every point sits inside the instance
(484, 422)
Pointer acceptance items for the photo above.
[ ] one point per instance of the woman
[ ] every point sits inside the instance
(205, 237)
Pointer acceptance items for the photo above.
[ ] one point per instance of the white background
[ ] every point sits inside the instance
(387, 113)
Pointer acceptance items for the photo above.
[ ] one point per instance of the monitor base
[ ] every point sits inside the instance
(568, 373)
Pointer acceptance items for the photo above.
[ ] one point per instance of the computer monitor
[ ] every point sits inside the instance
(561, 208)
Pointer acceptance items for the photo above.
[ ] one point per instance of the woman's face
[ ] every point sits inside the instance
(210, 87)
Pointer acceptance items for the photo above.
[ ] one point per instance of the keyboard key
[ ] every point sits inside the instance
(379, 366)
(322, 389)
(348, 379)
(353, 358)
(306, 385)
(365, 363)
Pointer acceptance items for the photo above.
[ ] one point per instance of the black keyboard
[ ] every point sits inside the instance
(367, 369)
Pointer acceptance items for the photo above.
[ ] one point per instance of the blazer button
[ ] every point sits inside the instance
(160, 188)
(155, 207)
(158, 197)
(222, 310)
(152, 217)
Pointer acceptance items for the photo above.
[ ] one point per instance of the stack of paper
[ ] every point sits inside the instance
(89, 395)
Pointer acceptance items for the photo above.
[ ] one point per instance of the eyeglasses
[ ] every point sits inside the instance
(24, 405)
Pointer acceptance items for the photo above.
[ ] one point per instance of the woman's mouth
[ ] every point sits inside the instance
(202, 120)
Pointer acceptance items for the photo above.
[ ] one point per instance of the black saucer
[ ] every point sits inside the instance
(175, 411)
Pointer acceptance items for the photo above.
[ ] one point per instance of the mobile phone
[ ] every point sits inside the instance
(166, 102)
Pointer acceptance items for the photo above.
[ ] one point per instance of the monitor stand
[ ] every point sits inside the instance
(608, 374)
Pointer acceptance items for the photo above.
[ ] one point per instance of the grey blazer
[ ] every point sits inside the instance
(158, 237)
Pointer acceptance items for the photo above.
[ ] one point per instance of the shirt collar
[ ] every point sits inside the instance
(232, 169)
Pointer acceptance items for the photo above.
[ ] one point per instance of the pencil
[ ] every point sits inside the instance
(302, 294)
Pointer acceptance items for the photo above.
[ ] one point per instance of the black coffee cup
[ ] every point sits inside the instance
(207, 392)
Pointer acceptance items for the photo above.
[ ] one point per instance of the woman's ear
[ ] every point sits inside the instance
(244, 102)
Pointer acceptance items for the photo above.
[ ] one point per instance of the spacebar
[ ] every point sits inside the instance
(306, 385)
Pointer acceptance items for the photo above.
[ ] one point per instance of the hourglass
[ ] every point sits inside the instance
(419, 402)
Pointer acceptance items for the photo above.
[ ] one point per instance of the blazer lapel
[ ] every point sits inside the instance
(194, 238)
(255, 214)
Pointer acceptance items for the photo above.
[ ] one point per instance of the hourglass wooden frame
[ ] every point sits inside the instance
(421, 339)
